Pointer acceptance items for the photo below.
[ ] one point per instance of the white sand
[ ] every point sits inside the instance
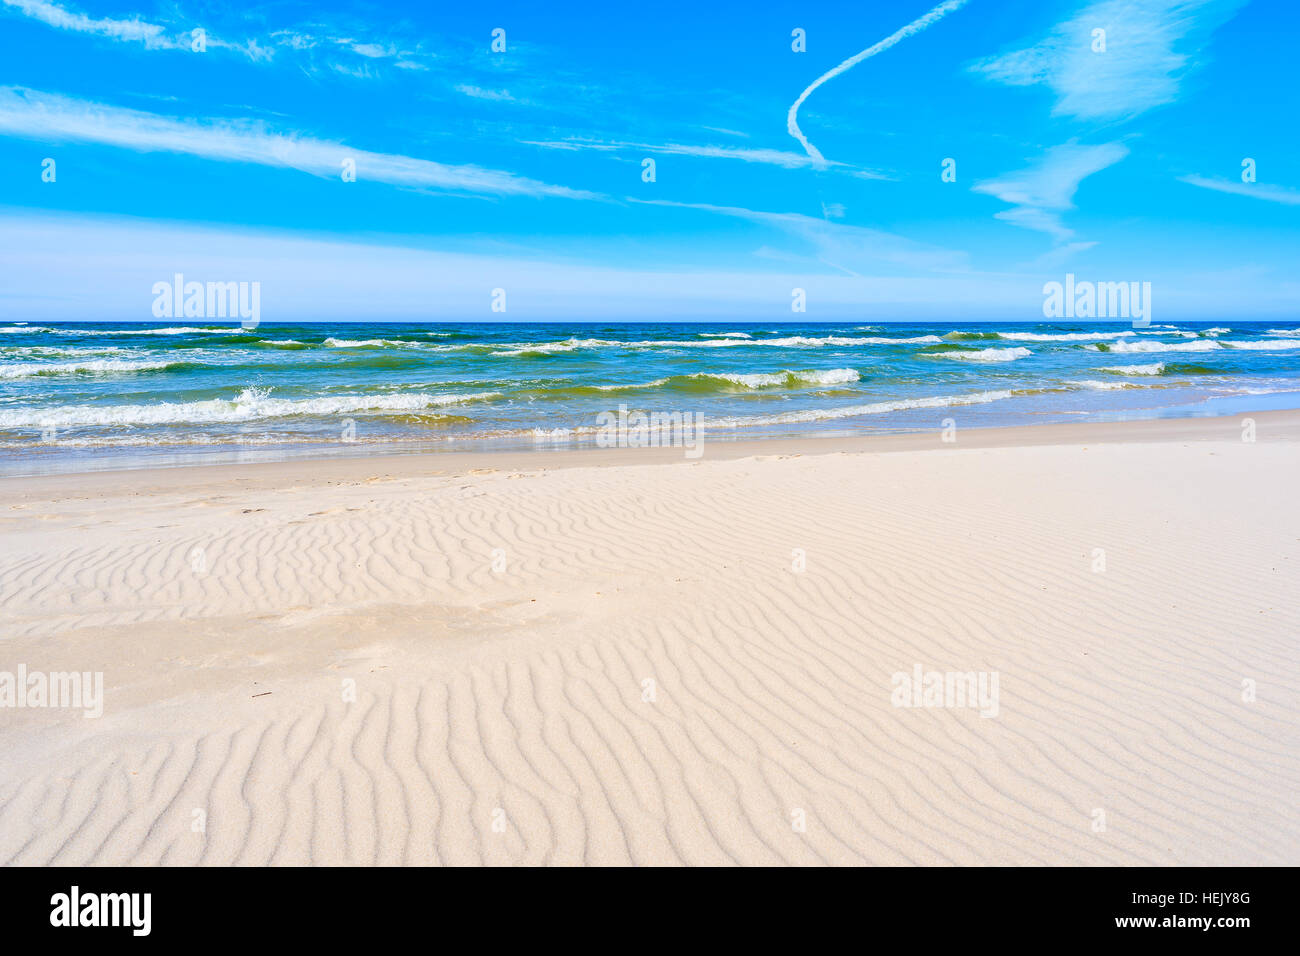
(517, 696)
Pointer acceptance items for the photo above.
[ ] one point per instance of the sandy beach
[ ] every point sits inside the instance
(628, 657)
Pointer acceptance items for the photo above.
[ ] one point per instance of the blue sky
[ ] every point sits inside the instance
(523, 169)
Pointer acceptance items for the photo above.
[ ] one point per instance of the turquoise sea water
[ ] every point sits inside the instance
(91, 395)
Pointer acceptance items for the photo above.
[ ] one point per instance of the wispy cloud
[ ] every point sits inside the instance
(726, 132)
(370, 51)
(135, 30)
(1056, 257)
(358, 71)
(479, 93)
(108, 266)
(769, 157)
(46, 116)
(1289, 197)
(1041, 192)
(1149, 46)
(373, 51)
(152, 36)
(916, 26)
(178, 36)
(847, 248)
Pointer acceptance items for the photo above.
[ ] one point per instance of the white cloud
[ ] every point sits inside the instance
(1149, 46)
(374, 51)
(916, 26)
(726, 132)
(45, 116)
(1281, 194)
(848, 248)
(1041, 192)
(295, 40)
(360, 71)
(152, 36)
(155, 36)
(478, 93)
(769, 157)
(1056, 257)
(134, 30)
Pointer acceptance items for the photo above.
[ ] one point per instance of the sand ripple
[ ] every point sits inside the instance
(501, 715)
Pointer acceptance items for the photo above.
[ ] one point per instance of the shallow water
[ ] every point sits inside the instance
(87, 395)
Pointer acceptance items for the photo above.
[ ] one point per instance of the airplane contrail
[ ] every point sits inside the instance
(916, 26)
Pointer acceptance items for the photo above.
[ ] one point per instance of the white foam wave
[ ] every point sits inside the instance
(627, 388)
(791, 341)
(333, 343)
(179, 330)
(1155, 369)
(546, 348)
(1199, 345)
(855, 411)
(1263, 346)
(827, 414)
(1062, 336)
(986, 355)
(55, 351)
(98, 367)
(882, 340)
(835, 376)
(251, 404)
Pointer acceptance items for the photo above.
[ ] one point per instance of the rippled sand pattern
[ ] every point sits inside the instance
(613, 665)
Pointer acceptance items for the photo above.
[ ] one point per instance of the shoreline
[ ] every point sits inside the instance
(1283, 422)
(116, 396)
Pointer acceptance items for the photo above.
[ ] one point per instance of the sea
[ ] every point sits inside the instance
(83, 396)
